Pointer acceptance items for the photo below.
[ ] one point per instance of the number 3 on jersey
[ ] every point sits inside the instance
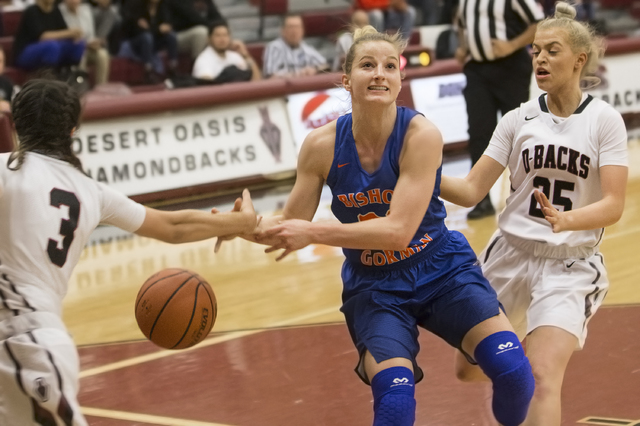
(67, 226)
(544, 185)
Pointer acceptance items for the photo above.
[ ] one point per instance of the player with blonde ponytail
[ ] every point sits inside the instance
(567, 154)
(403, 267)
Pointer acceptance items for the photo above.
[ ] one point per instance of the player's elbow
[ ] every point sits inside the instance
(173, 230)
(468, 202)
(615, 215)
(403, 242)
(614, 209)
(174, 236)
(399, 238)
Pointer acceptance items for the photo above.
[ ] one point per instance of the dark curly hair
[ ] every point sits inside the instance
(45, 112)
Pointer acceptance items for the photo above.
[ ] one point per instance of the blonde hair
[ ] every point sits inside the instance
(581, 38)
(368, 33)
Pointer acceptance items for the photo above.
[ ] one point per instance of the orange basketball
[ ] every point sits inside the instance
(176, 308)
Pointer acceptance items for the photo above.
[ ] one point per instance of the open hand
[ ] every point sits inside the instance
(240, 47)
(242, 205)
(555, 217)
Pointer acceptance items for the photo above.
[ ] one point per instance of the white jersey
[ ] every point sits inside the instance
(560, 157)
(209, 64)
(48, 210)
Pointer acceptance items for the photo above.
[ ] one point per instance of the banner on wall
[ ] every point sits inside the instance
(619, 86)
(310, 110)
(142, 155)
(441, 100)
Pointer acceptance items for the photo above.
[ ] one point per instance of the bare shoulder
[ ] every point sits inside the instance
(317, 149)
(321, 138)
(422, 131)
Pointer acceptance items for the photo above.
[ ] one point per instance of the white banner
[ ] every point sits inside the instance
(141, 155)
(440, 99)
(310, 110)
(620, 85)
(310, 6)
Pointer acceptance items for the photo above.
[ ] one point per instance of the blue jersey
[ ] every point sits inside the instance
(359, 196)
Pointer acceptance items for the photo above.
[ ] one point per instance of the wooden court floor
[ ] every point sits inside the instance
(280, 354)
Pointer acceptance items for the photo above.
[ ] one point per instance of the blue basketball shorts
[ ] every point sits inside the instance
(445, 294)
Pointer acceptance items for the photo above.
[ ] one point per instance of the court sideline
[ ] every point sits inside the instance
(280, 354)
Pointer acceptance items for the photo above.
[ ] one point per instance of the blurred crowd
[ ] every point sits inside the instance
(72, 37)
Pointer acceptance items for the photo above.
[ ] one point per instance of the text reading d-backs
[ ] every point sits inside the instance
(561, 158)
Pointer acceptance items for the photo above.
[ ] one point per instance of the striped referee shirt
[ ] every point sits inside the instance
(483, 20)
(281, 59)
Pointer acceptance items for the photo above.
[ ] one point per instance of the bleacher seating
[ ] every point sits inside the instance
(10, 22)
(325, 23)
(321, 26)
(618, 17)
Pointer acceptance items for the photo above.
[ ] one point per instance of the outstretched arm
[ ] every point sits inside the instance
(470, 190)
(183, 226)
(410, 200)
(314, 162)
(607, 211)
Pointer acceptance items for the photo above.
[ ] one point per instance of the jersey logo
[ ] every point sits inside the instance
(41, 388)
(529, 118)
(342, 165)
(369, 216)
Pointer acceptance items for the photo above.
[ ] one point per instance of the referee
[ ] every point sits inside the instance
(493, 37)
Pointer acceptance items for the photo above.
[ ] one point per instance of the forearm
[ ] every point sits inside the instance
(255, 71)
(196, 225)
(375, 234)
(56, 35)
(524, 39)
(598, 215)
(460, 191)
(184, 226)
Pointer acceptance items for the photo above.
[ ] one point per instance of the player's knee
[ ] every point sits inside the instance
(548, 379)
(393, 397)
(469, 374)
(502, 359)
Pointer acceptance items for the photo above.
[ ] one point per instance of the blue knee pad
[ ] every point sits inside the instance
(393, 397)
(502, 359)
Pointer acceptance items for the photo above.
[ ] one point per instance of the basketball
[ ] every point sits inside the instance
(176, 308)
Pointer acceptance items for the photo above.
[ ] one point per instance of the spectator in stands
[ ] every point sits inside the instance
(429, 11)
(79, 16)
(43, 39)
(289, 55)
(359, 19)
(389, 15)
(18, 5)
(107, 22)
(225, 60)
(6, 86)
(146, 30)
(192, 20)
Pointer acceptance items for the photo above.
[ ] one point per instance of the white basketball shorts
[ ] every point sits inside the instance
(544, 291)
(38, 376)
